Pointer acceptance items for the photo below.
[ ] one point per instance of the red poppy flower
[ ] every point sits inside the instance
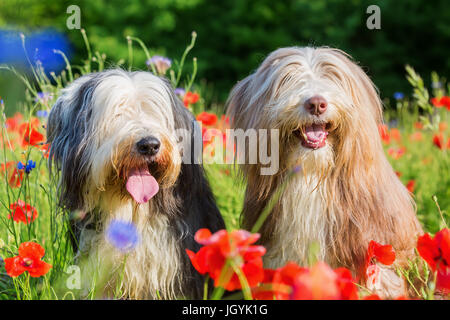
(284, 279)
(323, 283)
(438, 141)
(22, 212)
(416, 136)
(435, 251)
(209, 135)
(346, 284)
(410, 185)
(12, 124)
(208, 119)
(445, 100)
(442, 102)
(30, 136)
(436, 102)
(418, 125)
(265, 290)
(225, 120)
(233, 247)
(15, 175)
(376, 252)
(396, 153)
(316, 283)
(190, 98)
(319, 283)
(443, 281)
(443, 126)
(29, 259)
(33, 123)
(395, 134)
(45, 150)
(384, 133)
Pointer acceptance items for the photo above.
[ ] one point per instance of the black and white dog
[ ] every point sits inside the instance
(115, 139)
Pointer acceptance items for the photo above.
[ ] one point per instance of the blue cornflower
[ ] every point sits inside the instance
(122, 235)
(28, 167)
(20, 166)
(42, 113)
(398, 95)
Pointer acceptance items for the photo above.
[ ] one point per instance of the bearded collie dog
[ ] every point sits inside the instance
(115, 142)
(327, 112)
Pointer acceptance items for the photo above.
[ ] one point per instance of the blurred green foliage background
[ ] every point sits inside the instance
(235, 35)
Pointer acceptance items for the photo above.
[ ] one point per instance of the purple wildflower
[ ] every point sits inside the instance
(43, 97)
(180, 92)
(42, 113)
(162, 64)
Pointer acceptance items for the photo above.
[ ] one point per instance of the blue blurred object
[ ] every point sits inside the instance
(123, 235)
(40, 46)
(42, 113)
(28, 167)
(398, 95)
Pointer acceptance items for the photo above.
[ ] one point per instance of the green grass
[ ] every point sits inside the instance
(228, 191)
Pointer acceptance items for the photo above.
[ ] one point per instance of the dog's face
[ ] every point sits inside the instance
(115, 131)
(318, 99)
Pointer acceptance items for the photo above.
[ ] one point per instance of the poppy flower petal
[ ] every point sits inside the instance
(202, 236)
(14, 266)
(443, 280)
(253, 252)
(442, 239)
(428, 250)
(39, 268)
(385, 254)
(346, 284)
(31, 250)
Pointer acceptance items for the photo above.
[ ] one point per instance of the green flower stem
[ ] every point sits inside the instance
(243, 280)
(183, 57)
(224, 278)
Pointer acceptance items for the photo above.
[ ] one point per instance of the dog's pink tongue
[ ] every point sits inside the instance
(142, 185)
(315, 132)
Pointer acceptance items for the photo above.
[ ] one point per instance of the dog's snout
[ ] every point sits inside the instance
(148, 146)
(316, 105)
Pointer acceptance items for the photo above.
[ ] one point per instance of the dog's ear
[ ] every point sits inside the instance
(259, 90)
(187, 129)
(68, 133)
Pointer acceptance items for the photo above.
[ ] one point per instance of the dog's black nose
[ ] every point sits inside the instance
(148, 146)
(316, 105)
